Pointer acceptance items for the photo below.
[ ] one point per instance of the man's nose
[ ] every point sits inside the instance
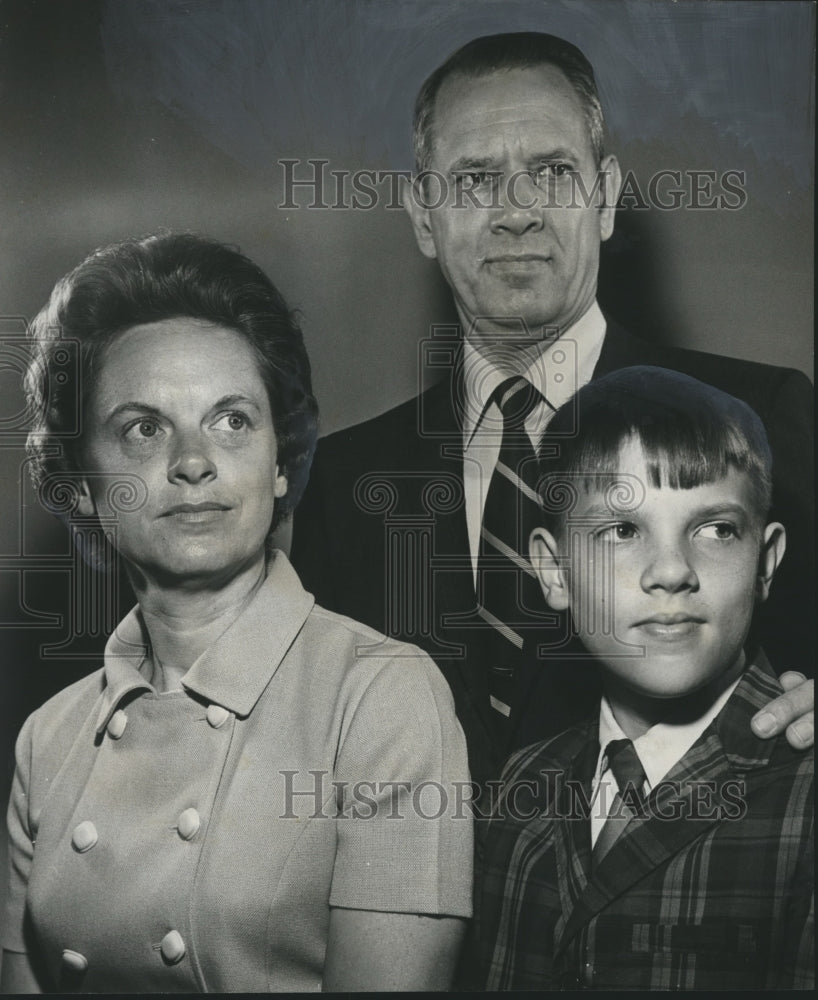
(520, 210)
(191, 460)
(669, 568)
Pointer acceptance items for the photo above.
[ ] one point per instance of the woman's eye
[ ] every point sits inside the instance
(233, 421)
(720, 530)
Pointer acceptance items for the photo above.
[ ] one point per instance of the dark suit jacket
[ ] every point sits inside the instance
(710, 890)
(381, 536)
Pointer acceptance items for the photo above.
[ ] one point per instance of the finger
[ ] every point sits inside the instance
(791, 679)
(801, 734)
(792, 707)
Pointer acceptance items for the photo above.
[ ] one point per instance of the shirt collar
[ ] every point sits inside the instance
(236, 669)
(663, 745)
(580, 346)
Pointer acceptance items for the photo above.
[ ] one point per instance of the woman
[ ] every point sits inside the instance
(253, 794)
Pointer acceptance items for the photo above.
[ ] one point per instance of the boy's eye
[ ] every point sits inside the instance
(142, 429)
(719, 530)
(622, 531)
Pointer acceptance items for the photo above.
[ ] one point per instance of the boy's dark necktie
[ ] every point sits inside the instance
(508, 594)
(628, 802)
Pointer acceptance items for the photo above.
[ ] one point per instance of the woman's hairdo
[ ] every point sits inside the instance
(144, 281)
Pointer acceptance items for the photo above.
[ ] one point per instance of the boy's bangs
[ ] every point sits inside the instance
(687, 440)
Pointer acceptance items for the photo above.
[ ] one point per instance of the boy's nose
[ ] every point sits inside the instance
(669, 568)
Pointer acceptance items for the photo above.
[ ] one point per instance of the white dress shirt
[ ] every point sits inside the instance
(558, 367)
(659, 749)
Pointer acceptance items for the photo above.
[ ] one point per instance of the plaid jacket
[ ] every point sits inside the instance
(711, 889)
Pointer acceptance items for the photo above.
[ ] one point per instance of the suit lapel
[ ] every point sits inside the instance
(439, 430)
(726, 750)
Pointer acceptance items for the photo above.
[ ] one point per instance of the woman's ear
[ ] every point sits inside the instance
(545, 559)
(773, 546)
(280, 484)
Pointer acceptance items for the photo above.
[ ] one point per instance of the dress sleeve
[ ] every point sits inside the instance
(20, 846)
(403, 790)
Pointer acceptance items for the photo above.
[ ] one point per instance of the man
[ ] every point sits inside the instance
(399, 525)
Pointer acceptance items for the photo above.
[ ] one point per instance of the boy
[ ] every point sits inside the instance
(659, 844)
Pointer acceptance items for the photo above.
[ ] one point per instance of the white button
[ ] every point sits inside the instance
(84, 836)
(116, 726)
(188, 824)
(217, 716)
(172, 947)
(74, 961)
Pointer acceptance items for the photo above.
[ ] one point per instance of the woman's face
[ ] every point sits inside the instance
(181, 405)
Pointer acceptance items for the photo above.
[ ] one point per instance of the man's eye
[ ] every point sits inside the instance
(233, 421)
(548, 171)
(720, 531)
(470, 179)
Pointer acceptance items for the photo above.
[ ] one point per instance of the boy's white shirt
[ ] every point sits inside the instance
(659, 749)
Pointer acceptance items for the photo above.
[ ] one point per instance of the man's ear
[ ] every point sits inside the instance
(412, 199)
(773, 547)
(611, 185)
(545, 559)
(85, 501)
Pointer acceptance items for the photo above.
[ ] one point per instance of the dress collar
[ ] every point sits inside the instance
(236, 669)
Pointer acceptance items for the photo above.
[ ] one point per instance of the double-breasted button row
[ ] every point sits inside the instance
(117, 724)
(188, 824)
(216, 716)
(173, 947)
(84, 836)
(73, 961)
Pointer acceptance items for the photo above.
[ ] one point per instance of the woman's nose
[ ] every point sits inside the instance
(191, 461)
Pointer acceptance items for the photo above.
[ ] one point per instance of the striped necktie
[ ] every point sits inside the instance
(628, 802)
(509, 598)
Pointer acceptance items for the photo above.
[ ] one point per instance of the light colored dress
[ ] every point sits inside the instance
(195, 840)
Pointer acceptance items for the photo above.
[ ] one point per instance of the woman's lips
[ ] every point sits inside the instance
(196, 513)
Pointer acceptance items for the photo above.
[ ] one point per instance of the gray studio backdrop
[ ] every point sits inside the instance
(118, 118)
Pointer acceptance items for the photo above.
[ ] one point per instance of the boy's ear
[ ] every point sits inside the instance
(85, 502)
(545, 559)
(773, 546)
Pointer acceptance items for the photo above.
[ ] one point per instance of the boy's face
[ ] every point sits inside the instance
(661, 585)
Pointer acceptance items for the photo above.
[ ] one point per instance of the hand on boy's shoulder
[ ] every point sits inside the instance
(792, 712)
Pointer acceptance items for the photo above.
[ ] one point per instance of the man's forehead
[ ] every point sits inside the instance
(537, 102)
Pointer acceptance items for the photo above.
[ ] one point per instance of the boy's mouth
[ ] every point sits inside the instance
(670, 626)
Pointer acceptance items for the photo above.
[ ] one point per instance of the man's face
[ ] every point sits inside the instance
(516, 142)
(662, 582)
